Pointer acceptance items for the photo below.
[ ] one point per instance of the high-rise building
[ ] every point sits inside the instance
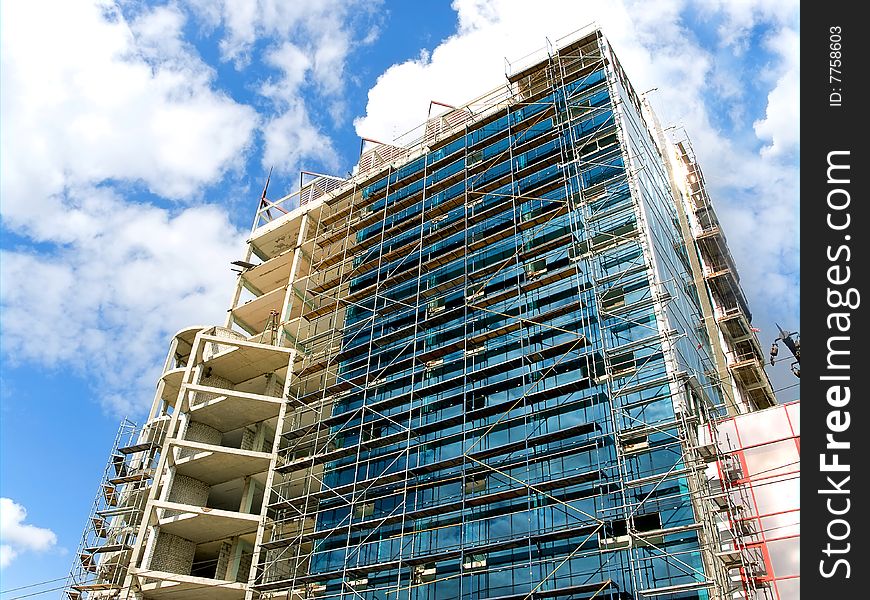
(486, 365)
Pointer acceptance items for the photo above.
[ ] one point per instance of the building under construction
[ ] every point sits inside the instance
(488, 365)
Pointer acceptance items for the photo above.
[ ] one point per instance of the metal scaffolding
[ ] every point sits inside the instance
(356, 274)
(744, 356)
(103, 555)
(473, 369)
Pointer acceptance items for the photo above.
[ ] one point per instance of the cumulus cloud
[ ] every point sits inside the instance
(17, 537)
(292, 136)
(101, 102)
(307, 45)
(97, 99)
(108, 109)
(737, 18)
(489, 32)
(781, 123)
(293, 63)
(112, 113)
(325, 25)
(126, 278)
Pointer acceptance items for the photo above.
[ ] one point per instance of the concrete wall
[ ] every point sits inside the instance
(244, 566)
(248, 437)
(187, 490)
(200, 432)
(212, 348)
(212, 381)
(223, 560)
(173, 554)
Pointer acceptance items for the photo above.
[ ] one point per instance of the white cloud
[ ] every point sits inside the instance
(126, 278)
(16, 536)
(737, 18)
(489, 32)
(103, 100)
(6, 555)
(291, 137)
(100, 101)
(781, 123)
(158, 35)
(97, 99)
(324, 24)
(308, 44)
(294, 63)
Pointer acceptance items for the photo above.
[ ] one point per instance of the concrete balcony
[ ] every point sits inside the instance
(269, 275)
(254, 315)
(278, 229)
(157, 585)
(226, 410)
(239, 360)
(734, 323)
(200, 524)
(748, 371)
(213, 464)
(172, 384)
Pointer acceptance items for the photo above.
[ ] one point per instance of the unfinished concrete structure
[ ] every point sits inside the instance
(481, 367)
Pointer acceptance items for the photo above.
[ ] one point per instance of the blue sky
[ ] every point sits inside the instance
(137, 136)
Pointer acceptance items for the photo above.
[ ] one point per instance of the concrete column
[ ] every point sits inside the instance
(240, 561)
(223, 560)
(249, 490)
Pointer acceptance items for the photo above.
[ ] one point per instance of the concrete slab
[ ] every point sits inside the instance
(246, 360)
(215, 464)
(186, 336)
(233, 409)
(281, 234)
(254, 314)
(271, 274)
(186, 587)
(199, 524)
(171, 384)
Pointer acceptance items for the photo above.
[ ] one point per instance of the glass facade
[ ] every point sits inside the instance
(502, 348)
